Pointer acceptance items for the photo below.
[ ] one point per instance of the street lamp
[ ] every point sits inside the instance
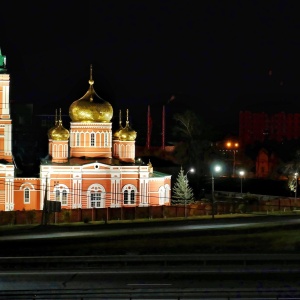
(233, 146)
(217, 169)
(192, 170)
(296, 184)
(242, 173)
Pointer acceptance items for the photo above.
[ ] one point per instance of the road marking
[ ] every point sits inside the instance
(149, 283)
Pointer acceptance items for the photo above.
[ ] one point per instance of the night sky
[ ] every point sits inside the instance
(217, 57)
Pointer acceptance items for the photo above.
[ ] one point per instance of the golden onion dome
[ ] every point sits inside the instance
(127, 133)
(91, 108)
(59, 132)
(116, 133)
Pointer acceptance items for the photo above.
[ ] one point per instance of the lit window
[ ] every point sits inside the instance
(96, 195)
(162, 195)
(61, 194)
(132, 197)
(129, 194)
(126, 197)
(95, 199)
(26, 195)
(92, 139)
(64, 200)
(57, 195)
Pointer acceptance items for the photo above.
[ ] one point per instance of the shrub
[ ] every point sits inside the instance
(242, 208)
(30, 216)
(86, 220)
(66, 214)
(11, 217)
(208, 209)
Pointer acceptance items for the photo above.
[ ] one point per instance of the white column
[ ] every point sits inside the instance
(7, 139)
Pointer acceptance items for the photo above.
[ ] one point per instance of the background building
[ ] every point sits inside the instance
(260, 126)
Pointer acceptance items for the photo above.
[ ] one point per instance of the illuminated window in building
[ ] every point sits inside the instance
(95, 199)
(64, 200)
(129, 194)
(61, 192)
(27, 188)
(57, 195)
(164, 194)
(96, 196)
(92, 139)
(126, 201)
(26, 195)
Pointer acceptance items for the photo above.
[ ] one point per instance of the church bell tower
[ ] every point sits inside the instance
(5, 120)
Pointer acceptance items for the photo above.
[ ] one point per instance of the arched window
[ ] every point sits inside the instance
(61, 192)
(126, 198)
(129, 194)
(64, 200)
(164, 194)
(92, 139)
(26, 195)
(95, 199)
(27, 188)
(96, 196)
(57, 195)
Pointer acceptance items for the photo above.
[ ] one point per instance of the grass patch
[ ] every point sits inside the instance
(253, 238)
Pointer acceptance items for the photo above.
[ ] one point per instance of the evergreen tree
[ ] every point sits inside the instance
(182, 192)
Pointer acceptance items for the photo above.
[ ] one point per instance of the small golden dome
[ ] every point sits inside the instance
(59, 133)
(116, 134)
(127, 133)
(91, 108)
(150, 166)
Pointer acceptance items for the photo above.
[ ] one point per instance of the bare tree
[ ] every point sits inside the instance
(194, 146)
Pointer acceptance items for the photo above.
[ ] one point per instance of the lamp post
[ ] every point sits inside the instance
(216, 169)
(192, 170)
(233, 147)
(296, 184)
(242, 173)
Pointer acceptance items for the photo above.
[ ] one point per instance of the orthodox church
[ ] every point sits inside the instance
(89, 165)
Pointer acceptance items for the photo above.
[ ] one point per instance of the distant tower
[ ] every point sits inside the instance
(5, 120)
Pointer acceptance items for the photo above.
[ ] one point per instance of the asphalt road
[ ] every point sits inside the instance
(253, 280)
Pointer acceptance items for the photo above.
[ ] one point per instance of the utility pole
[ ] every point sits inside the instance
(45, 210)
